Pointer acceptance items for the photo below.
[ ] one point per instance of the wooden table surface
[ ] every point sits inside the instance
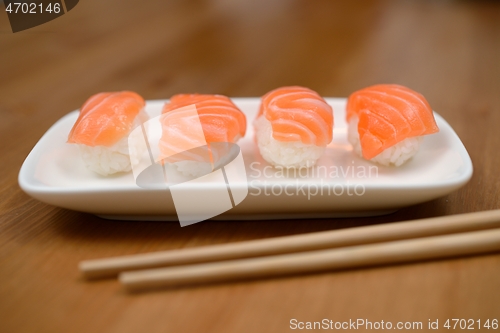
(447, 50)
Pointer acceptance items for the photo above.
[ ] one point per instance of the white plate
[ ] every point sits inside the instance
(54, 173)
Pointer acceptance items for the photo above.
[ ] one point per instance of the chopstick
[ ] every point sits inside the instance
(110, 267)
(356, 256)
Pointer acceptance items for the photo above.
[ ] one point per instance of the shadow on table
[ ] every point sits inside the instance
(85, 227)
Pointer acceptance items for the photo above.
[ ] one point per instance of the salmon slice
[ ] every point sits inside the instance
(219, 118)
(388, 114)
(298, 114)
(106, 118)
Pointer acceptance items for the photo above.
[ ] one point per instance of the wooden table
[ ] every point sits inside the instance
(447, 50)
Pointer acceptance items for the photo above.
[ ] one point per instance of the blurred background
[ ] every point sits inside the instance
(245, 48)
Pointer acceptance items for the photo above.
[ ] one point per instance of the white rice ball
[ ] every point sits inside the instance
(288, 154)
(193, 169)
(396, 155)
(222, 154)
(117, 158)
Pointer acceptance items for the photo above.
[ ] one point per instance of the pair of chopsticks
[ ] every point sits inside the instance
(400, 242)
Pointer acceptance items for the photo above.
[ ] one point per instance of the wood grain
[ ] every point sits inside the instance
(447, 50)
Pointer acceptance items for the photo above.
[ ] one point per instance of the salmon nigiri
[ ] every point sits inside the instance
(220, 119)
(102, 129)
(293, 127)
(193, 122)
(387, 122)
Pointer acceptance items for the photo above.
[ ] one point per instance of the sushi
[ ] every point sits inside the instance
(293, 127)
(198, 130)
(102, 128)
(386, 123)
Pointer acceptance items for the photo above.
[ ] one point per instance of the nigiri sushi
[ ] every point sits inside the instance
(387, 122)
(193, 147)
(102, 128)
(293, 127)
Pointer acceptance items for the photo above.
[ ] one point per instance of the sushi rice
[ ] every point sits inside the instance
(116, 158)
(396, 155)
(288, 154)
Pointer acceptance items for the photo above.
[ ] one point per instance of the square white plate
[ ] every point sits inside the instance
(342, 184)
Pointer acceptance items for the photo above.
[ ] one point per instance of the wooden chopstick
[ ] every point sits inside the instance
(110, 267)
(356, 256)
